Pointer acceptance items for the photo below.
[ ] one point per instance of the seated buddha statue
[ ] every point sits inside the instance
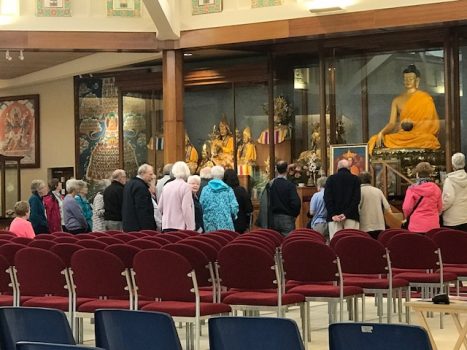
(205, 157)
(246, 153)
(413, 122)
(191, 155)
(222, 146)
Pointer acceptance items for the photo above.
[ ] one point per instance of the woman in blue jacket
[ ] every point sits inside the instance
(37, 215)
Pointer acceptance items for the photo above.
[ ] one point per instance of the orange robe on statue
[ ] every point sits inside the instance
(421, 110)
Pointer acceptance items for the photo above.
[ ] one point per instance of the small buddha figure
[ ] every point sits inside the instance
(205, 157)
(191, 155)
(222, 146)
(413, 122)
(246, 153)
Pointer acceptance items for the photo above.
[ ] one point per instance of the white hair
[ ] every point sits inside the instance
(180, 170)
(71, 185)
(194, 179)
(343, 163)
(205, 173)
(321, 182)
(144, 168)
(458, 161)
(217, 172)
(117, 174)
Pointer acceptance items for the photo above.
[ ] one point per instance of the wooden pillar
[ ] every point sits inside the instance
(449, 111)
(322, 112)
(174, 126)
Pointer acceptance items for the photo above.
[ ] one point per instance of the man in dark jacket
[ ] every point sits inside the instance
(137, 209)
(284, 201)
(113, 198)
(342, 197)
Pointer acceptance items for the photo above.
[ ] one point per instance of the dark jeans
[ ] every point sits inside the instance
(75, 232)
(283, 224)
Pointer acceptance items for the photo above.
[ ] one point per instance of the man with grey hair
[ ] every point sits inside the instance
(166, 172)
(342, 197)
(318, 209)
(137, 208)
(113, 199)
(455, 195)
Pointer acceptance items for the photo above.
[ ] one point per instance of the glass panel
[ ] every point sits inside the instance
(463, 99)
(11, 186)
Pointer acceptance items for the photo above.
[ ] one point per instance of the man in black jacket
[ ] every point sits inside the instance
(137, 209)
(284, 201)
(113, 198)
(342, 197)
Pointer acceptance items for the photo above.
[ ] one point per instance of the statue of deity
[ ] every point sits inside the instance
(205, 157)
(282, 118)
(413, 122)
(246, 153)
(191, 155)
(222, 146)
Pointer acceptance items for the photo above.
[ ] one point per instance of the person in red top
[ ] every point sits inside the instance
(20, 225)
(53, 203)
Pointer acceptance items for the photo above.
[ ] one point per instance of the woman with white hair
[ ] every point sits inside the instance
(176, 202)
(455, 195)
(37, 217)
(75, 222)
(220, 207)
(81, 198)
(98, 223)
(194, 181)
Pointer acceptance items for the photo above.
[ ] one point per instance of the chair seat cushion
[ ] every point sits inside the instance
(6, 300)
(186, 309)
(375, 283)
(95, 304)
(54, 302)
(262, 299)
(422, 277)
(205, 296)
(316, 290)
(458, 270)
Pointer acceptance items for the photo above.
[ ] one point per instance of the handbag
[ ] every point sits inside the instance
(406, 222)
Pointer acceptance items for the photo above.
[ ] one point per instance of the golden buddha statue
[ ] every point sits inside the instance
(413, 122)
(246, 154)
(222, 146)
(282, 118)
(191, 155)
(205, 157)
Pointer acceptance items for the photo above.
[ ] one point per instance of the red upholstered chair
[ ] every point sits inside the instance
(45, 236)
(113, 232)
(228, 236)
(138, 234)
(6, 285)
(230, 233)
(259, 276)
(306, 231)
(109, 240)
(65, 251)
(150, 232)
(66, 239)
(180, 234)
(366, 264)
(385, 236)
(340, 235)
(144, 244)
(213, 242)
(99, 233)
(124, 237)
(261, 238)
(41, 243)
(172, 237)
(434, 231)
(62, 234)
(303, 237)
(158, 239)
(273, 235)
(81, 236)
(7, 236)
(8, 251)
(208, 249)
(317, 270)
(218, 238)
(21, 240)
(92, 243)
(190, 232)
(6, 232)
(258, 241)
(169, 279)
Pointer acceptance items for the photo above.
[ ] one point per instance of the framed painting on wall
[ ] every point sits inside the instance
(19, 129)
(53, 8)
(201, 7)
(124, 8)
(265, 3)
(356, 154)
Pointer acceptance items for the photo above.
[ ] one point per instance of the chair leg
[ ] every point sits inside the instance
(363, 307)
(389, 297)
(407, 309)
(303, 308)
(399, 303)
(197, 330)
(355, 311)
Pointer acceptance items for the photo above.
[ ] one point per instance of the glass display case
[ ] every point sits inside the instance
(10, 187)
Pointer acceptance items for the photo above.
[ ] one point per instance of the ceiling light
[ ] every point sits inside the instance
(7, 55)
(325, 9)
(319, 6)
(21, 55)
(187, 54)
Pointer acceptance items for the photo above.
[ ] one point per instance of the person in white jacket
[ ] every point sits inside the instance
(455, 195)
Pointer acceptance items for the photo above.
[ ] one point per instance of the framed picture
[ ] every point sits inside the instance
(356, 154)
(201, 7)
(19, 129)
(124, 8)
(53, 8)
(392, 181)
(265, 3)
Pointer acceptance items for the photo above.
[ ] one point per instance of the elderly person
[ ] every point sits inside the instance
(455, 195)
(194, 181)
(176, 203)
(113, 199)
(422, 201)
(137, 208)
(53, 204)
(157, 213)
(318, 211)
(98, 209)
(372, 204)
(37, 210)
(166, 172)
(75, 222)
(205, 175)
(245, 207)
(81, 198)
(220, 207)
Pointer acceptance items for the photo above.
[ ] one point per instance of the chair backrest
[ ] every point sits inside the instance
(218, 245)
(85, 236)
(413, 251)
(436, 230)
(162, 241)
(309, 261)
(98, 273)
(209, 250)
(123, 237)
(273, 235)
(150, 232)
(135, 330)
(257, 241)
(385, 236)
(8, 251)
(172, 237)
(24, 345)
(125, 252)
(360, 255)
(337, 237)
(62, 234)
(109, 240)
(453, 245)
(228, 236)
(218, 238)
(33, 324)
(92, 243)
(45, 236)
(371, 336)
(252, 333)
(163, 274)
(6, 236)
(42, 243)
(66, 239)
(21, 240)
(144, 244)
(246, 266)
(5, 280)
(65, 251)
(231, 233)
(39, 272)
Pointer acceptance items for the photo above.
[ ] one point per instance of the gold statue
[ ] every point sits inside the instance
(413, 122)
(191, 155)
(246, 153)
(205, 157)
(222, 146)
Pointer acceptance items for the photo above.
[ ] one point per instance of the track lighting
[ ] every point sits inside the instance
(7, 55)
(21, 55)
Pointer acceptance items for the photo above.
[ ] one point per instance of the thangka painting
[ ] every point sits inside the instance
(201, 7)
(265, 3)
(53, 8)
(356, 154)
(19, 129)
(124, 8)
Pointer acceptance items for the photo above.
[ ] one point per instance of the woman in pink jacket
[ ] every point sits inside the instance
(427, 194)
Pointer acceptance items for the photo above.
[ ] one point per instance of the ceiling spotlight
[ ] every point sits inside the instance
(21, 55)
(7, 55)
(187, 54)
